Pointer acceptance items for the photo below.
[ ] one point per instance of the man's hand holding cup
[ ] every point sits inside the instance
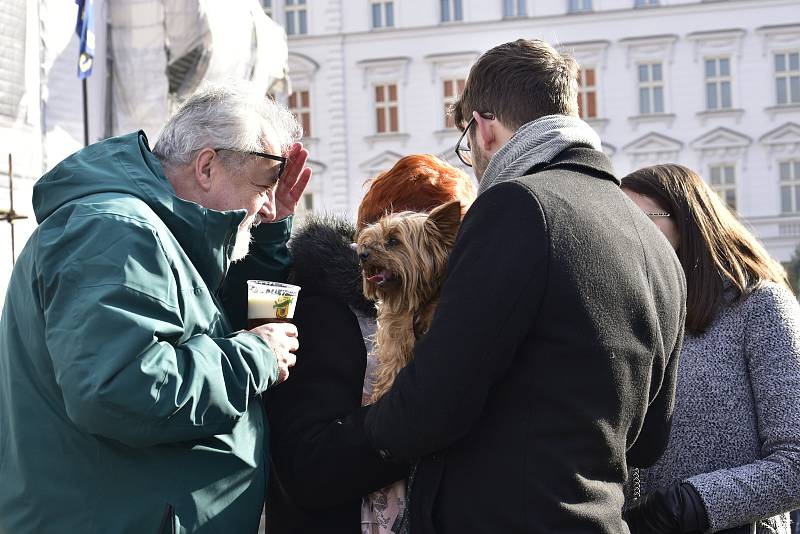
(270, 309)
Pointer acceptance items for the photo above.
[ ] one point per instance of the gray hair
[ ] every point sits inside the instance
(232, 116)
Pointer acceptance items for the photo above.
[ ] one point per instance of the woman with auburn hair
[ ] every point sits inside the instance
(323, 461)
(732, 463)
(418, 182)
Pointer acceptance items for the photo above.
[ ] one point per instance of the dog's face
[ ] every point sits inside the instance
(404, 255)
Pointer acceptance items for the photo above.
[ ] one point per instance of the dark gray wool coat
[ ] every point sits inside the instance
(736, 430)
(551, 356)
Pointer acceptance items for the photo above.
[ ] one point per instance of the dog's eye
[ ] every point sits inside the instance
(392, 241)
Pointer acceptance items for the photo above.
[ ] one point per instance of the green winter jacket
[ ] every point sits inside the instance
(123, 390)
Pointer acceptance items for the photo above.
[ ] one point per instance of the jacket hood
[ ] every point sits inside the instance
(324, 263)
(125, 165)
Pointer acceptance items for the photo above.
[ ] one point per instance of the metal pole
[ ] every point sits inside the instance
(85, 115)
(11, 208)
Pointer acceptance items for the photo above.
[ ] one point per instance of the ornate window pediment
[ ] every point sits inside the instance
(383, 70)
(302, 69)
(653, 148)
(380, 163)
(717, 42)
(782, 140)
(721, 142)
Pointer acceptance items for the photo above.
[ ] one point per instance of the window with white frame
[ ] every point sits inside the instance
(267, 5)
(787, 77)
(296, 17)
(452, 89)
(645, 3)
(789, 174)
(718, 83)
(300, 106)
(587, 93)
(452, 10)
(382, 13)
(651, 88)
(576, 6)
(723, 182)
(386, 109)
(514, 8)
(306, 204)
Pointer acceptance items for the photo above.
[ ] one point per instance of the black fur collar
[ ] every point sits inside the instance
(324, 263)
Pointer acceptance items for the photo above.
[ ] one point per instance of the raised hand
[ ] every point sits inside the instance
(293, 182)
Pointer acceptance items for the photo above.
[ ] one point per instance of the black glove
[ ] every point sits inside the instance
(674, 510)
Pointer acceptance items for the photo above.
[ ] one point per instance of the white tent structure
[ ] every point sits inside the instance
(149, 55)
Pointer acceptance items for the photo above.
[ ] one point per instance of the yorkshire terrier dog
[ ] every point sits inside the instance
(403, 258)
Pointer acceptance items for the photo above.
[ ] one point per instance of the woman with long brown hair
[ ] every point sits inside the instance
(733, 459)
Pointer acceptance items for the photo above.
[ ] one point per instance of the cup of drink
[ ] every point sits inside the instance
(270, 302)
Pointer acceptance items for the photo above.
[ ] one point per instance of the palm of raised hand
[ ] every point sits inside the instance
(293, 182)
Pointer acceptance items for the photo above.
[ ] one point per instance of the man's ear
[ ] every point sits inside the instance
(486, 128)
(202, 168)
(446, 219)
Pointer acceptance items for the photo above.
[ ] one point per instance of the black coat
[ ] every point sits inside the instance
(553, 352)
(319, 450)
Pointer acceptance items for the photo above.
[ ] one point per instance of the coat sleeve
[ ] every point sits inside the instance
(770, 485)
(114, 327)
(268, 259)
(318, 443)
(497, 275)
(654, 435)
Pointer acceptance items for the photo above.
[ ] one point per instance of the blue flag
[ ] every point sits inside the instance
(85, 30)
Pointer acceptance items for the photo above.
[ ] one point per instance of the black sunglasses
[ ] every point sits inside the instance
(281, 159)
(463, 151)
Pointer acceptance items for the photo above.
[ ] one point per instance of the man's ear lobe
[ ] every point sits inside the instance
(446, 219)
(202, 168)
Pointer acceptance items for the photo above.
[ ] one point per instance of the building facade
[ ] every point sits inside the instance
(713, 85)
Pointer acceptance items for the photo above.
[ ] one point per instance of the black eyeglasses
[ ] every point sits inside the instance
(281, 159)
(463, 151)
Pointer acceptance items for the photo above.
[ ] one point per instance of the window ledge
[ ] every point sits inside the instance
(391, 137)
(309, 142)
(727, 113)
(450, 22)
(668, 118)
(782, 108)
(598, 124)
(447, 133)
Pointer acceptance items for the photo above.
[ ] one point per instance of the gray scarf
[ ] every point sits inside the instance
(538, 141)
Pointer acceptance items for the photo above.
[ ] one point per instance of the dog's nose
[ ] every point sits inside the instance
(364, 254)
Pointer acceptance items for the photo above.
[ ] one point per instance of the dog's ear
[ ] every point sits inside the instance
(446, 219)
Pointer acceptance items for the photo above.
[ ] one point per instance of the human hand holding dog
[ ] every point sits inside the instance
(282, 339)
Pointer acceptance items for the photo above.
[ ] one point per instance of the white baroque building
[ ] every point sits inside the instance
(713, 85)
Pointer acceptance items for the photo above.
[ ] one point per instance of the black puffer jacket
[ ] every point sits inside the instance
(319, 450)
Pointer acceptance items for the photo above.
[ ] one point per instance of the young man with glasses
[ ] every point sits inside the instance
(553, 353)
(128, 400)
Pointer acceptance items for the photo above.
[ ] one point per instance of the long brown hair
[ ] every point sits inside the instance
(714, 246)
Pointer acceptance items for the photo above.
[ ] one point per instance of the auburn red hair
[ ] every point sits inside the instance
(416, 183)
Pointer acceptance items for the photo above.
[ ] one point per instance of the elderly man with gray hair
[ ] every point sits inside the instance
(128, 403)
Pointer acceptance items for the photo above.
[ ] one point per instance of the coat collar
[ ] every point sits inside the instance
(581, 159)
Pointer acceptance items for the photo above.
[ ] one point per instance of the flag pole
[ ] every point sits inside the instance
(85, 114)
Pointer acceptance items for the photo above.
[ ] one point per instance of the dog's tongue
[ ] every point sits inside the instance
(380, 278)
